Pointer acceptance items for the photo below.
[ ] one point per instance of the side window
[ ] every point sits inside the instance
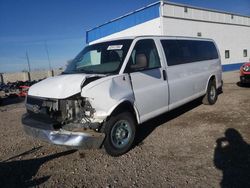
(172, 52)
(187, 51)
(206, 50)
(144, 56)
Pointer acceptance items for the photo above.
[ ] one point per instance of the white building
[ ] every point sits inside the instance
(230, 31)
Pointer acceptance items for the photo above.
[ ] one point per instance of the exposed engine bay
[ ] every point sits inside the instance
(74, 112)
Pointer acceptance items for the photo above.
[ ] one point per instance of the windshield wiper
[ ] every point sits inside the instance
(84, 71)
(87, 72)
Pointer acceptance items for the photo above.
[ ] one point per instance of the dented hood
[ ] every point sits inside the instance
(59, 87)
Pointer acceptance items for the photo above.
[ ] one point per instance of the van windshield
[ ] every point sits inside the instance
(101, 58)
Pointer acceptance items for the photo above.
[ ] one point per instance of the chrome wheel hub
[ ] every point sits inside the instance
(212, 93)
(121, 134)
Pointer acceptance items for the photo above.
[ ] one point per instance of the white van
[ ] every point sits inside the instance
(111, 87)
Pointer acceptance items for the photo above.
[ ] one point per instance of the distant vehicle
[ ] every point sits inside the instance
(1, 96)
(245, 73)
(23, 91)
(113, 86)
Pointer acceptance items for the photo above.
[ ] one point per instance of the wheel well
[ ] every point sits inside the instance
(212, 78)
(124, 106)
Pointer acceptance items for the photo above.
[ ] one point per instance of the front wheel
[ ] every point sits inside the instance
(120, 134)
(211, 96)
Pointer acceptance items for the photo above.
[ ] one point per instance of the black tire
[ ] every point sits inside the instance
(212, 94)
(242, 84)
(120, 125)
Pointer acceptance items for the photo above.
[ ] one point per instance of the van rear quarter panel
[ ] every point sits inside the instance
(189, 81)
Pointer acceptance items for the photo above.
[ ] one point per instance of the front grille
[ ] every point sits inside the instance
(43, 108)
(42, 102)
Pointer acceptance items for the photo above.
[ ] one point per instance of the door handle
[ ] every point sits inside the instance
(164, 74)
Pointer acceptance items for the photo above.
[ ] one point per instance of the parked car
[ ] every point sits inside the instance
(245, 73)
(111, 87)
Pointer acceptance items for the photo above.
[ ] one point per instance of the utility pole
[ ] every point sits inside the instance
(47, 52)
(28, 60)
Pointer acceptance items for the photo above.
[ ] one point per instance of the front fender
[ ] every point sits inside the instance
(107, 93)
(132, 104)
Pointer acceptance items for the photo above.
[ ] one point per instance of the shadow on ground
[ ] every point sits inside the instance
(148, 127)
(11, 100)
(232, 157)
(20, 173)
(247, 85)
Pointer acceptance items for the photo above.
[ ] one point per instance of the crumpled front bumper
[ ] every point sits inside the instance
(46, 132)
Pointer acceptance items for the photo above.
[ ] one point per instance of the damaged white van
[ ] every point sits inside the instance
(111, 87)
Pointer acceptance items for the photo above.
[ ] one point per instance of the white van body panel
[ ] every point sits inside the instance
(107, 93)
(151, 93)
(58, 87)
(189, 81)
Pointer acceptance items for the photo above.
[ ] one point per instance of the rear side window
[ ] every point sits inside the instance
(187, 51)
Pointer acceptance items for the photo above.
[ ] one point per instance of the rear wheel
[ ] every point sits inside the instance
(211, 96)
(120, 134)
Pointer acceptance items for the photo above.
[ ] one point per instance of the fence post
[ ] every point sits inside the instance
(1, 78)
(50, 73)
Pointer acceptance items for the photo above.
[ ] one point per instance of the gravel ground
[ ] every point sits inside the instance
(192, 146)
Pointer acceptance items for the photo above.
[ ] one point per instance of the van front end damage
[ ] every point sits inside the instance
(68, 122)
(84, 140)
(77, 120)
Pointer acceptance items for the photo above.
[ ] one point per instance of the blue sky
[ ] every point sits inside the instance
(25, 25)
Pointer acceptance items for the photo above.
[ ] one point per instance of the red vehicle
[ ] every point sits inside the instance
(245, 73)
(23, 91)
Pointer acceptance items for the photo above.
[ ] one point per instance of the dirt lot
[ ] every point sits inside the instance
(193, 146)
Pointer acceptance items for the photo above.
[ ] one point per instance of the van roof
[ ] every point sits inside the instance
(153, 36)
